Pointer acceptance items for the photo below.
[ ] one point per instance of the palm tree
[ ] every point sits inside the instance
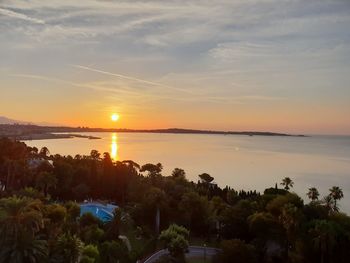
(20, 221)
(323, 234)
(19, 215)
(313, 194)
(328, 202)
(24, 249)
(287, 183)
(289, 219)
(336, 194)
(68, 248)
(155, 198)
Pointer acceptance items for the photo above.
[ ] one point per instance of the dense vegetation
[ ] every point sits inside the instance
(40, 218)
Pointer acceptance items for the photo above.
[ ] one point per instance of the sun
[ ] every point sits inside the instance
(115, 117)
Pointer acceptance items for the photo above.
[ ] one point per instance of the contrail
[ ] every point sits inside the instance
(13, 14)
(30, 76)
(129, 78)
(89, 86)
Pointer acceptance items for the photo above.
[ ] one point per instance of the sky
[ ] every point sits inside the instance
(261, 65)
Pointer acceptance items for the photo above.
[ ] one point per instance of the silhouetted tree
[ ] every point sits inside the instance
(287, 183)
(206, 178)
(336, 193)
(313, 194)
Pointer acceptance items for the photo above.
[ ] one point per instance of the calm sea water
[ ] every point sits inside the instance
(242, 162)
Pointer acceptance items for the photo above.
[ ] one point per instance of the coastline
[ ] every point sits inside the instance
(35, 132)
(47, 136)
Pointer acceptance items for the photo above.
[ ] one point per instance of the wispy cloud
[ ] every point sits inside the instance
(241, 57)
(39, 77)
(129, 78)
(121, 92)
(10, 13)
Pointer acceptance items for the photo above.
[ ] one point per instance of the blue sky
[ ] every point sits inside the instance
(280, 65)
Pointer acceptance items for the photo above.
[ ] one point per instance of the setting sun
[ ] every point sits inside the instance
(115, 117)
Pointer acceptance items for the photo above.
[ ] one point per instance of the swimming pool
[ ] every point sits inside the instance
(101, 211)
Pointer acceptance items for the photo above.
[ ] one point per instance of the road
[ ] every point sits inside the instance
(193, 251)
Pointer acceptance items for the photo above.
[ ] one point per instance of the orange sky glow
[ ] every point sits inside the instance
(241, 66)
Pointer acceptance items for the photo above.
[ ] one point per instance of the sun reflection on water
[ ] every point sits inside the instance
(114, 147)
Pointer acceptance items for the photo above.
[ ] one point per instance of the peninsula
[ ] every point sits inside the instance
(36, 132)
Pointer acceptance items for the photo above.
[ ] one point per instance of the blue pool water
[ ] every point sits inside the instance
(103, 212)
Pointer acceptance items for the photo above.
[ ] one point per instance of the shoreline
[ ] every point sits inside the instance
(48, 136)
(34, 132)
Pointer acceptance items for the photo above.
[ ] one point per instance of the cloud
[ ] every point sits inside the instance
(128, 78)
(9, 13)
(224, 52)
(121, 91)
(38, 77)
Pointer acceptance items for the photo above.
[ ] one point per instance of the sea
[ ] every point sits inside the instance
(239, 161)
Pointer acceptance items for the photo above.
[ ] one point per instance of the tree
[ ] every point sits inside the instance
(235, 220)
(262, 224)
(275, 206)
(232, 197)
(13, 178)
(329, 203)
(336, 193)
(92, 234)
(45, 181)
(237, 251)
(290, 220)
(68, 248)
(287, 183)
(114, 252)
(107, 160)
(95, 155)
(313, 194)
(195, 212)
(206, 178)
(24, 249)
(20, 220)
(175, 240)
(153, 170)
(44, 152)
(19, 215)
(131, 163)
(90, 254)
(178, 173)
(323, 236)
(73, 212)
(155, 199)
(88, 219)
(31, 193)
(113, 226)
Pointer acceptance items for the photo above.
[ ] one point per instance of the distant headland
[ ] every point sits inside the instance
(36, 132)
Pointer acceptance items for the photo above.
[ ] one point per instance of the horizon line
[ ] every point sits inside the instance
(175, 128)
